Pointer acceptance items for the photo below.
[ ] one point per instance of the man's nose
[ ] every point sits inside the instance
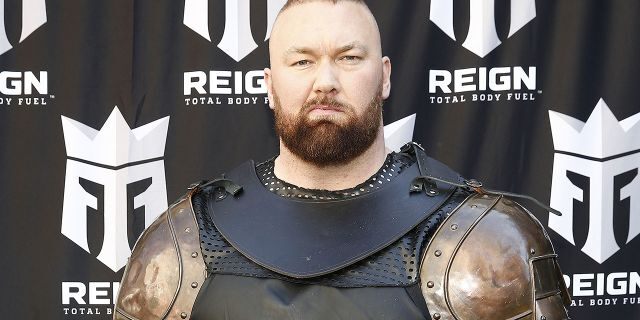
(326, 82)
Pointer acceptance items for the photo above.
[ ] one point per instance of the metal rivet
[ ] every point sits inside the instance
(194, 285)
(194, 255)
(532, 251)
(438, 253)
(454, 227)
(543, 318)
(183, 315)
(474, 183)
(430, 284)
(187, 229)
(436, 316)
(473, 206)
(431, 191)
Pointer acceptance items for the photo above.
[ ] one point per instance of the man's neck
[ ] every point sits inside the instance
(290, 168)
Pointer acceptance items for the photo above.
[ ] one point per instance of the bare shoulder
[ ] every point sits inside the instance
(165, 269)
(492, 259)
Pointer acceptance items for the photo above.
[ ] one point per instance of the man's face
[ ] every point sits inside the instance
(327, 80)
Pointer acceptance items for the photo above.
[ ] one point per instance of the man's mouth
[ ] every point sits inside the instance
(320, 110)
(324, 109)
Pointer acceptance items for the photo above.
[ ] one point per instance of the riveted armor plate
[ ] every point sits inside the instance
(162, 278)
(491, 259)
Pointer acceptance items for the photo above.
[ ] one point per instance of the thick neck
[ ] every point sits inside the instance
(290, 168)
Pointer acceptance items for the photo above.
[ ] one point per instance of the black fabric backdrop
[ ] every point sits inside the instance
(134, 55)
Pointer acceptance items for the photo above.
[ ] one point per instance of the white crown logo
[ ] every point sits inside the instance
(399, 133)
(600, 137)
(115, 144)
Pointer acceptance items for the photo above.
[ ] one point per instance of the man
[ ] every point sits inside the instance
(335, 226)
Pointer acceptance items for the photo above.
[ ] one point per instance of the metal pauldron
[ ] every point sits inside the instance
(492, 259)
(165, 270)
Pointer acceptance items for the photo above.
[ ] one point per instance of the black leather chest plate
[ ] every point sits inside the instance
(395, 265)
(303, 239)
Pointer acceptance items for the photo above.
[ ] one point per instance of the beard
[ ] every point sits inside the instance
(327, 140)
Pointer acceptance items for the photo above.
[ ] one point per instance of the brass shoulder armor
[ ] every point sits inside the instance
(165, 270)
(492, 259)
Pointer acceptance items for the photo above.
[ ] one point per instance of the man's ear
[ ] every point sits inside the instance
(269, 83)
(386, 77)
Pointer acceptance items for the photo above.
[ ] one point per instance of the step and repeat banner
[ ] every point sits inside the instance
(110, 109)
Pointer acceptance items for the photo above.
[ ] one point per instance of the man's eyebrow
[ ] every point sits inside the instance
(352, 45)
(307, 50)
(298, 50)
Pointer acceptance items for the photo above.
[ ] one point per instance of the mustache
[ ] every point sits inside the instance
(330, 102)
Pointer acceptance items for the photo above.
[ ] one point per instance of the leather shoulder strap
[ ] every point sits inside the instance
(165, 270)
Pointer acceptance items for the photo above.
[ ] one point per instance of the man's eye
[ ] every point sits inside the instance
(350, 58)
(302, 63)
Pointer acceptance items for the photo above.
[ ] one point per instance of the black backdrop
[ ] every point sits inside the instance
(136, 54)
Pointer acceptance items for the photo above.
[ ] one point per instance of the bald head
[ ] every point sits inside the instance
(318, 15)
(326, 44)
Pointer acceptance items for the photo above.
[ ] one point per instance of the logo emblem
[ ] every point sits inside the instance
(399, 133)
(482, 36)
(600, 152)
(114, 157)
(34, 15)
(237, 40)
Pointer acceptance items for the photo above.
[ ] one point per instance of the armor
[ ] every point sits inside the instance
(318, 227)
(217, 242)
(492, 259)
(165, 270)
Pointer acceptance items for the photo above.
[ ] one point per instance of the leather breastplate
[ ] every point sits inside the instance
(395, 265)
(390, 260)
